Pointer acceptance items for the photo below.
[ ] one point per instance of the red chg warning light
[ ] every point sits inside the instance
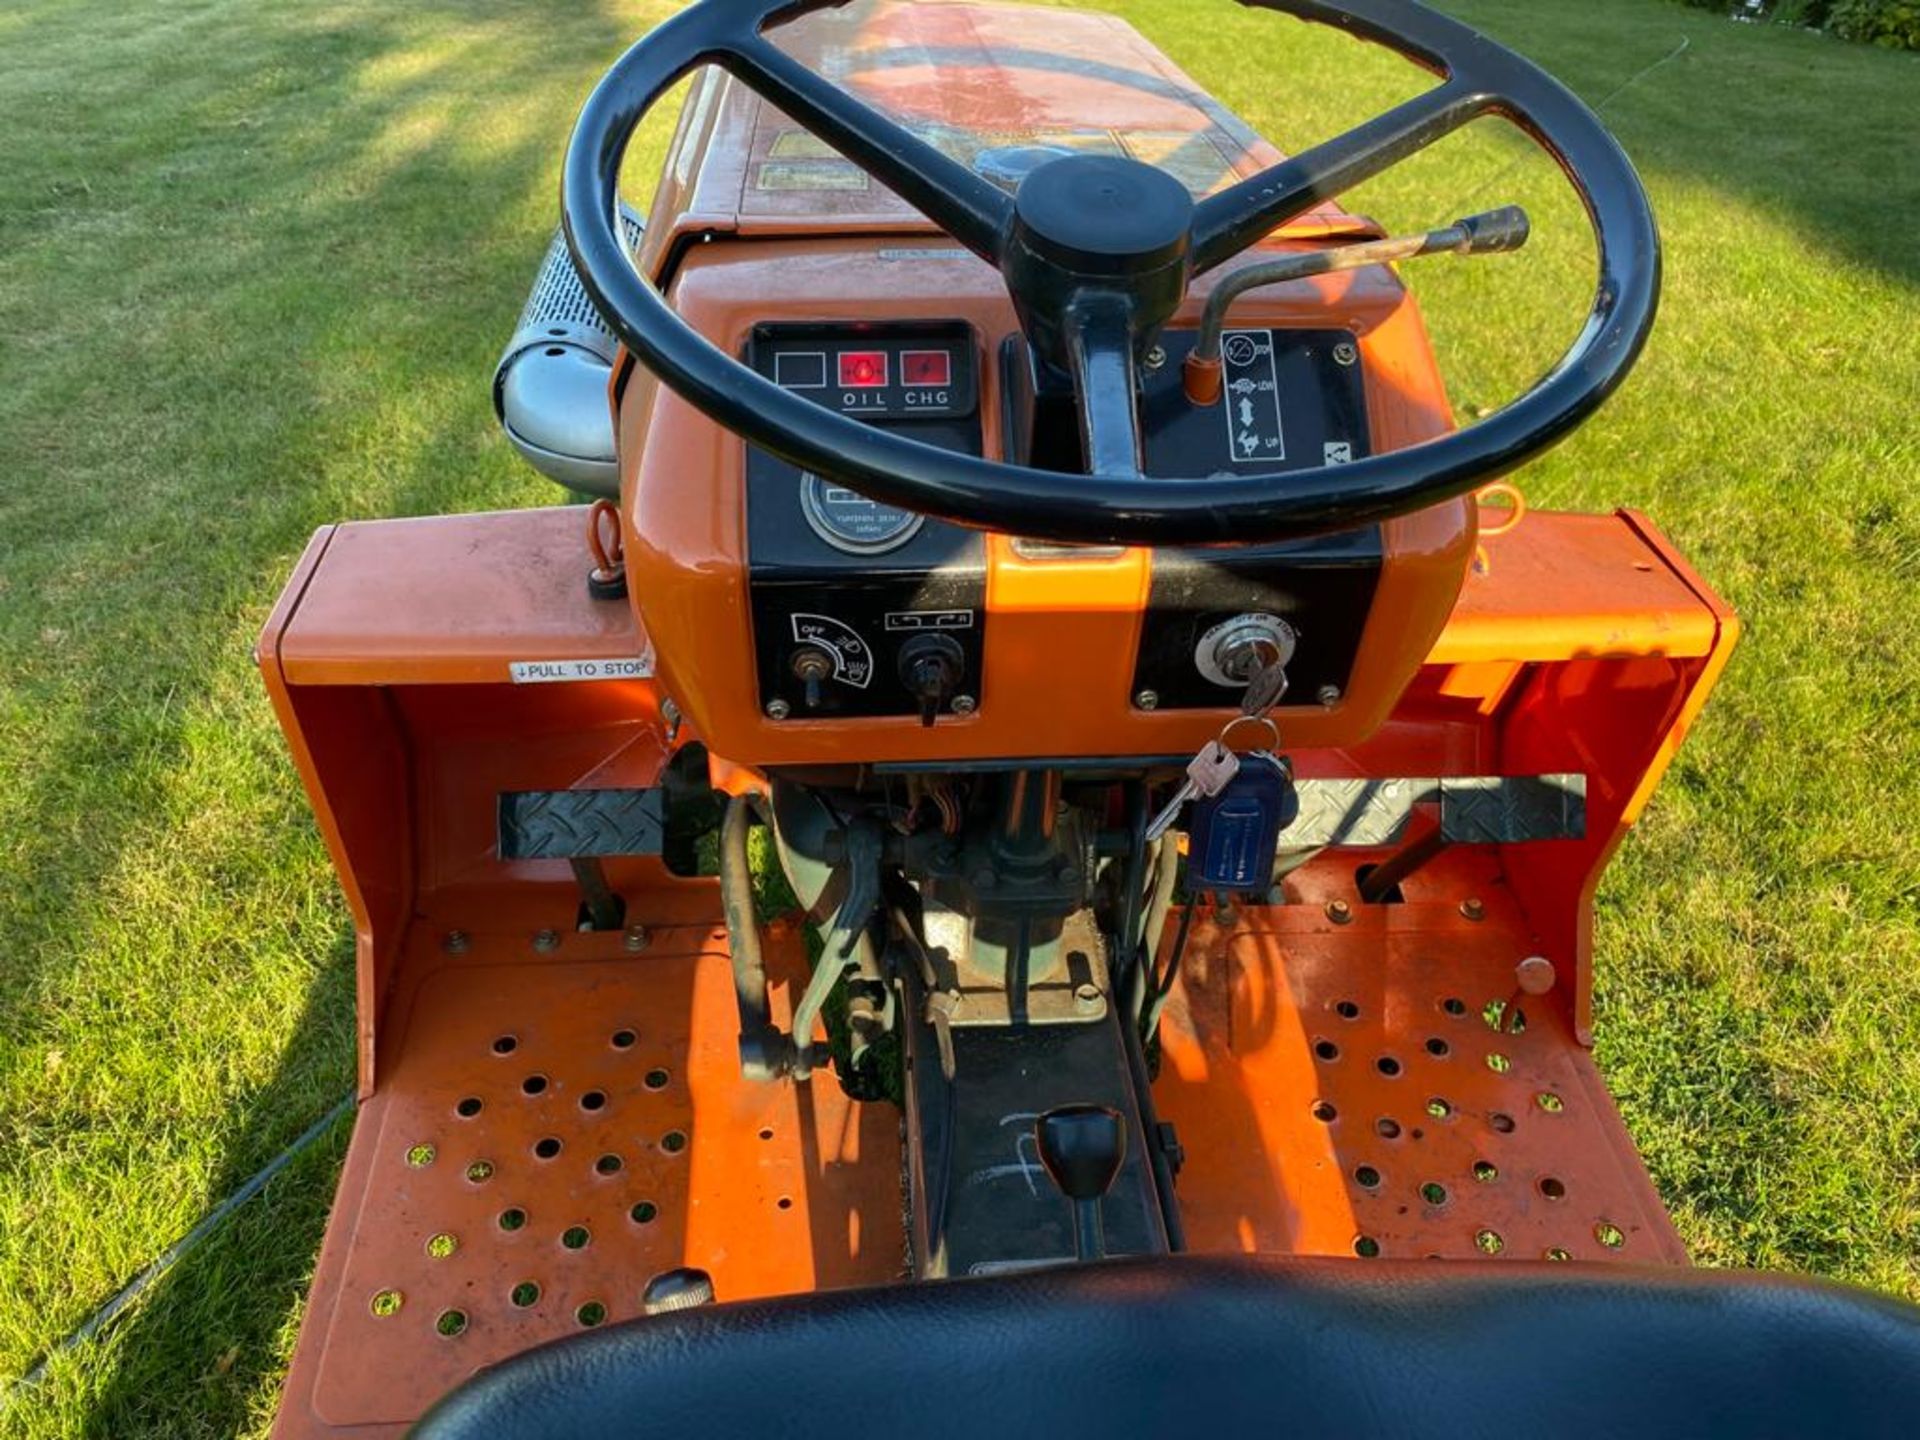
(926, 367)
(863, 369)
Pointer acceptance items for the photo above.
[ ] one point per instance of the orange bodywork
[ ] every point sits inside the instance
(550, 1116)
(390, 662)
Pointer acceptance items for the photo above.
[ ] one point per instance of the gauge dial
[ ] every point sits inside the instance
(850, 522)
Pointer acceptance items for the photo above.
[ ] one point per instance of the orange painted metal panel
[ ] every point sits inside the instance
(1338, 1091)
(553, 1130)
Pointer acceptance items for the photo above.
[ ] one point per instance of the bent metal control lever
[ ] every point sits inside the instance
(1488, 234)
(1083, 1147)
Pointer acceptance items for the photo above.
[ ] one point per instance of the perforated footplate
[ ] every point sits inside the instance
(547, 1139)
(1329, 1104)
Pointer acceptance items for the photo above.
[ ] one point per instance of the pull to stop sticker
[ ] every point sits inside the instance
(573, 672)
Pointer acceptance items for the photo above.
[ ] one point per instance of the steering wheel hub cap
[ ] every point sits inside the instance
(1103, 215)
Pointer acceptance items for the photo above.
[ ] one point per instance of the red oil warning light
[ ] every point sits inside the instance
(926, 367)
(863, 369)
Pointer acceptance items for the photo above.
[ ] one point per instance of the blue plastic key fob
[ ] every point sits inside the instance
(1231, 837)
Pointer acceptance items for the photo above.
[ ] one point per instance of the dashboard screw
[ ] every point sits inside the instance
(1147, 700)
(778, 710)
(547, 941)
(636, 939)
(965, 704)
(1329, 696)
(1339, 912)
(1472, 908)
(1156, 357)
(456, 942)
(1345, 354)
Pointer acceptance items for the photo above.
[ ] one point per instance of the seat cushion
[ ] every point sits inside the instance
(1176, 1345)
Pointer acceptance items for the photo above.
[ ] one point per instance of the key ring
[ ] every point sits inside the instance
(1266, 720)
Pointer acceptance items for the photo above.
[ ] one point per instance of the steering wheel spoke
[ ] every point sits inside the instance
(972, 210)
(1229, 222)
(1100, 345)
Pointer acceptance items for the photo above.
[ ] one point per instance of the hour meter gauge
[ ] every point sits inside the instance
(850, 522)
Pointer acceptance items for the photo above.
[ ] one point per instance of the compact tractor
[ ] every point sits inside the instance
(1026, 865)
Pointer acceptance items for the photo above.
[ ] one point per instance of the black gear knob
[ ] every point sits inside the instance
(1083, 1147)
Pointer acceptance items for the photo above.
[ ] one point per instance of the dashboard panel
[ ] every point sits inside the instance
(863, 609)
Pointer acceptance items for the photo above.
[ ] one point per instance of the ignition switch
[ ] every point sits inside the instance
(1233, 652)
(932, 667)
(811, 667)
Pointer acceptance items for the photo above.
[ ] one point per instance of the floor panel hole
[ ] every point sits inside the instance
(513, 1218)
(644, 1213)
(1489, 1242)
(594, 1100)
(673, 1142)
(1549, 1102)
(1553, 1188)
(1454, 1006)
(386, 1302)
(656, 1080)
(1324, 1112)
(1501, 1121)
(1434, 1193)
(533, 1085)
(591, 1314)
(442, 1245)
(1366, 1247)
(1367, 1177)
(624, 1039)
(451, 1323)
(506, 1045)
(576, 1237)
(1485, 1171)
(1498, 1063)
(1326, 1050)
(785, 1202)
(1387, 1066)
(1347, 1010)
(525, 1294)
(1609, 1235)
(468, 1108)
(479, 1172)
(1438, 1048)
(547, 1147)
(1439, 1107)
(607, 1165)
(420, 1156)
(1387, 1128)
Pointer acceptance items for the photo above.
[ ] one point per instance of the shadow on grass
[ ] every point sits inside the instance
(358, 251)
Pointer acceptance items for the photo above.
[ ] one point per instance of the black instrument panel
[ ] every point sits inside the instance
(847, 585)
(1291, 399)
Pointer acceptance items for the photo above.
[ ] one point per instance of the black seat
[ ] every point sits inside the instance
(1185, 1345)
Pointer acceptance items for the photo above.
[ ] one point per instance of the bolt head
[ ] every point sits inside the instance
(1344, 353)
(1340, 912)
(1147, 700)
(456, 942)
(547, 941)
(778, 709)
(1329, 695)
(965, 704)
(1086, 998)
(1473, 908)
(636, 939)
(1156, 357)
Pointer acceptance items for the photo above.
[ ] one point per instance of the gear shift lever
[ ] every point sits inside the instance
(1082, 1147)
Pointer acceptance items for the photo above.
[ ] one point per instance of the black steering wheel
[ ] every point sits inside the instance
(1097, 253)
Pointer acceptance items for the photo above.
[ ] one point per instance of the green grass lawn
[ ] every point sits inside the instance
(255, 264)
